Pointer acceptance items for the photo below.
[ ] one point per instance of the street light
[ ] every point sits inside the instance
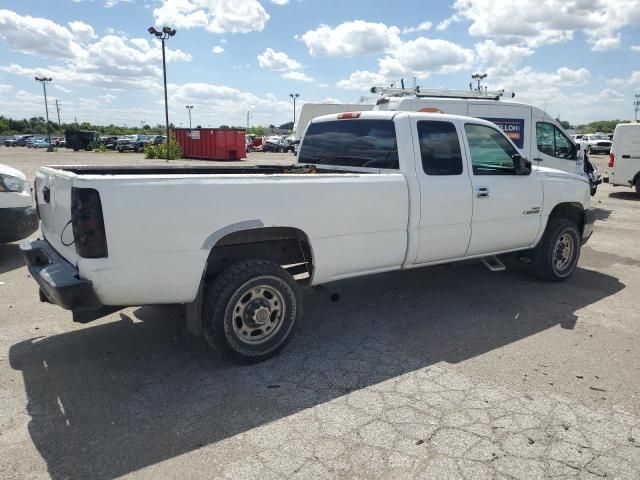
(294, 96)
(189, 107)
(44, 81)
(163, 35)
(478, 77)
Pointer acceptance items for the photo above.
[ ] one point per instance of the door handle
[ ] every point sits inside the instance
(626, 156)
(537, 159)
(482, 192)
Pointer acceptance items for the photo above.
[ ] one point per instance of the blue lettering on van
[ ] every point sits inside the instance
(512, 127)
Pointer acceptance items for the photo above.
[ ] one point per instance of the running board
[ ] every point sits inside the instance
(493, 263)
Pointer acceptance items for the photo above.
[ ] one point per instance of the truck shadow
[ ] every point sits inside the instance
(10, 257)
(121, 395)
(625, 196)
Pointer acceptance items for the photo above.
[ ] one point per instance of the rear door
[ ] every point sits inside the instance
(53, 198)
(506, 206)
(445, 191)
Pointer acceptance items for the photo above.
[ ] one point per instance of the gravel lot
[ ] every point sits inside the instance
(447, 372)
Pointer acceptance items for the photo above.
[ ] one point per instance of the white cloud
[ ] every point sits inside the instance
(277, 61)
(446, 23)
(62, 89)
(110, 61)
(4, 88)
(82, 32)
(423, 56)
(280, 2)
(361, 80)
(113, 3)
(422, 27)
(217, 49)
(535, 23)
(350, 39)
(632, 81)
(635, 48)
(217, 16)
(497, 60)
(107, 97)
(219, 104)
(293, 75)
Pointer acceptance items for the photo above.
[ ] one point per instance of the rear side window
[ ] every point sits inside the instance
(439, 148)
(351, 143)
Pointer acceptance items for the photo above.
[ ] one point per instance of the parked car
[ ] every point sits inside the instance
(40, 143)
(155, 139)
(18, 218)
(370, 192)
(109, 141)
(17, 141)
(624, 159)
(131, 143)
(276, 143)
(57, 141)
(597, 143)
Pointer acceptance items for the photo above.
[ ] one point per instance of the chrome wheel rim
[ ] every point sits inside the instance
(258, 313)
(563, 253)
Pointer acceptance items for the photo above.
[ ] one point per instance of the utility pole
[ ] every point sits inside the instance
(636, 105)
(294, 96)
(44, 81)
(248, 116)
(58, 109)
(189, 108)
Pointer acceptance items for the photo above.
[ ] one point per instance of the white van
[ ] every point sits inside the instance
(624, 159)
(537, 135)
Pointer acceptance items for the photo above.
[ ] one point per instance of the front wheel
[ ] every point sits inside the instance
(556, 257)
(250, 310)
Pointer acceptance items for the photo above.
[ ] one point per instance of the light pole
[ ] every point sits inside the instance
(294, 96)
(44, 81)
(164, 34)
(478, 77)
(636, 105)
(189, 107)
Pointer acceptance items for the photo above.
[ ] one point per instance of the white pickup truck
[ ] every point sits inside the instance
(370, 192)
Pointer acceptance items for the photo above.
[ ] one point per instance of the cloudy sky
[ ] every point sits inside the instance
(580, 58)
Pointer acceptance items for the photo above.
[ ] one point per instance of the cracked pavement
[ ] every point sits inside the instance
(447, 372)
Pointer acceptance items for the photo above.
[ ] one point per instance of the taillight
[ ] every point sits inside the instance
(88, 223)
(612, 159)
(349, 115)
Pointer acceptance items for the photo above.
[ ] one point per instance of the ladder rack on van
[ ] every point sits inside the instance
(418, 92)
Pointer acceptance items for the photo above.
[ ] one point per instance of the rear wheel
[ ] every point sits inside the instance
(250, 310)
(556, 257)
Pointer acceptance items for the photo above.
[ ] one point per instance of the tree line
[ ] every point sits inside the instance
(38, 125)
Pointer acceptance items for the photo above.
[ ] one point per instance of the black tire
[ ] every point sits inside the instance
(551, 261)
(230, 318)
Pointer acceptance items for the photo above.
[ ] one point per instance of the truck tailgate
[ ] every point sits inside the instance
(53, 197)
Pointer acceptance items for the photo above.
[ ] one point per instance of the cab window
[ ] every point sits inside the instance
(551, 141)
(491, 153)
(439, 148)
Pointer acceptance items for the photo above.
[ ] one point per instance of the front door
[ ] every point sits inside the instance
(506, 206)
(555, 149)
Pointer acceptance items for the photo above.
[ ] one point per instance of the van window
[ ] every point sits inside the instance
(551, 141)
(351, 143)
(491, 153)
(439, 148)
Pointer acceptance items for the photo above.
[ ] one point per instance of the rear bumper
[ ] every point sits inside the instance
(17, 223)
(587, 229)
(59, 281)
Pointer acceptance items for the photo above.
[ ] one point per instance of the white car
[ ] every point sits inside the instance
(596, 143)
(371, 192)
(624, 159)
(18, 218)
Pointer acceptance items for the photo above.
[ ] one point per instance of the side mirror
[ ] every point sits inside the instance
(521, 165)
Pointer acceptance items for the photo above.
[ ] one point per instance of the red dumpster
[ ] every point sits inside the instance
(212, 143)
